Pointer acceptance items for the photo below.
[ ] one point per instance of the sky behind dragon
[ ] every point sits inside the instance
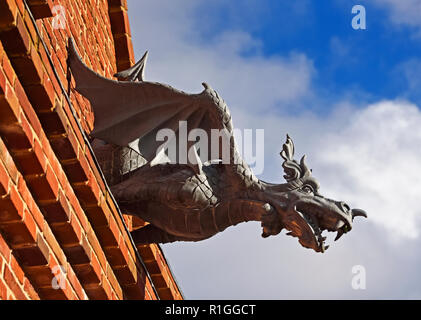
(350, 99)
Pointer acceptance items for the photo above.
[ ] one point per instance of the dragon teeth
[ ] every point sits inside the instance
(339, 234)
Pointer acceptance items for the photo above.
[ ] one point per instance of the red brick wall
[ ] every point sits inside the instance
(54, 205)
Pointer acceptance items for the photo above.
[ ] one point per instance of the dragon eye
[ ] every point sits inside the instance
(307, 189)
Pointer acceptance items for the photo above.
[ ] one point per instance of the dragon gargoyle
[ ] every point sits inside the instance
(194, 201)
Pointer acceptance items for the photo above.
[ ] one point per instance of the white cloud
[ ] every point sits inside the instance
(402, 12)
(374, 160)
(179, 58)
(366, 155)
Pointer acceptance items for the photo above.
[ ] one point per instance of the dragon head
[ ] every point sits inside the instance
(299, 207)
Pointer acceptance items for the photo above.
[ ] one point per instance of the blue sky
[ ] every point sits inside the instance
(350, 100)
(372, 63)
(368, 61)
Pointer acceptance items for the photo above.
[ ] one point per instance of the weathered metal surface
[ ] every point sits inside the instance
(194, 201)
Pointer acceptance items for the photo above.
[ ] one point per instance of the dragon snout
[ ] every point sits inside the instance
(354, 212)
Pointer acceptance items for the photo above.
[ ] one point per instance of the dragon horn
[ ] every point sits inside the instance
(358, 213)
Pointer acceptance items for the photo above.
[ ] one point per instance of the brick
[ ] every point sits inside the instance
(147, 253)
(106, 237)
(8, 70)
(41, 9)
(28, 163)
(17, 270)
(29, 289)
(30, 26)
(96, 293)
(54, 245)
(17, 234)
(29, 68)
(65, 234)
(159, 281)
(136, 291)
(57, 211)
(41, 97)
(8, 212)
(124, 47)
(76, 284)
(98, 216)
(16, 40)
(165, 294)
(120, 22)
(29, 201)
(40, 187)
(97, 249)
(51, 123)
(95, 265)
(115, 285)
(41, 276)
(7, 116)
(74, 171)
(26, 128)
(3, 290)
(107, 287)
(10, 101)
(3, 79)
(4, 181)
(51, 294)
(52, 181)
(30, 224)
(87, 275)
(8, 12)
(115, 256)
(47, 179)
(40, 155)
(4, 249)
(76, 255)
(125, 275)
(31, 256)
(14, 136)
(63, 148)
(85, 194)
(8, 162)
(117, 4)
(13, 284)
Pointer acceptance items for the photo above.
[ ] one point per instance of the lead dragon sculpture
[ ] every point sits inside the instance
(193, 202)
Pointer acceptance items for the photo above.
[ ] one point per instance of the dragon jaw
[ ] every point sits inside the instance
(307, 216)
(314, 215)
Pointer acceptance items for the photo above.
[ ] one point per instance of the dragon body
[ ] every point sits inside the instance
(198, 199)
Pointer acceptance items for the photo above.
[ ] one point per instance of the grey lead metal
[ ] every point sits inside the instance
(193, 202)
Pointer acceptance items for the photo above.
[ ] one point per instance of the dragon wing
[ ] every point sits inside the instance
(125, 111)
